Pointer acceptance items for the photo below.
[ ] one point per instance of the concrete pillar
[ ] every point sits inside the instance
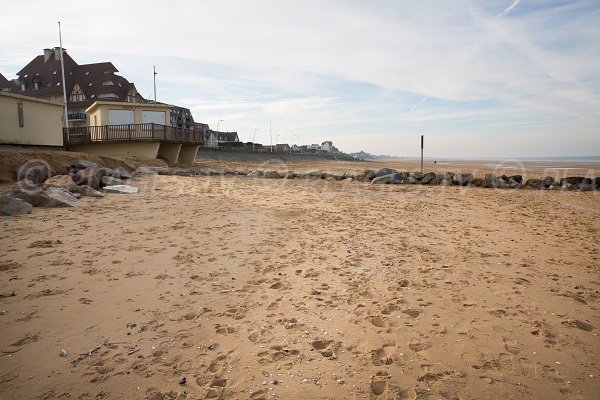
(187, 154)
(169, 152)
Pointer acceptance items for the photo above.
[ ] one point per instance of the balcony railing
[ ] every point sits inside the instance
(130, 133)
(76, 116)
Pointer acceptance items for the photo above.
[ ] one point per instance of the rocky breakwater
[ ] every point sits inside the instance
(82, 179)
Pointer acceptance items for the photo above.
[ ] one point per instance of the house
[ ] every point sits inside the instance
(85, 84)
(5, 84)
(327, 146)
(181, 117)
(218, 139)
(30, 121)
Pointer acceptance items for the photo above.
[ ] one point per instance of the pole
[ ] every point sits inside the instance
(62, 68)
(421, 153)
(254, 138)
(155, 73)
(216, 136)
(271, 135)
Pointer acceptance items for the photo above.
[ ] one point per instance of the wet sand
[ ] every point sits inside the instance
(262, 289)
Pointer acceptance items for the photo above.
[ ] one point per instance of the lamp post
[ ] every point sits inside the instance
(276, 137)
(216, 135)
(254, 138)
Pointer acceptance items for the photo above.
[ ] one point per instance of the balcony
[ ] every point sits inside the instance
(131, 133)
(78, 116)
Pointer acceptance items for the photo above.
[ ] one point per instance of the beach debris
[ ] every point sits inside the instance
(63, 353)
(121, 189)
(183, 381)
(7, 222)
(213, 346)
(133, 351)
(13, 206)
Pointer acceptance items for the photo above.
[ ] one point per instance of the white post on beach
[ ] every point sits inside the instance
(421, 153)
(254, 138)
(271, 134)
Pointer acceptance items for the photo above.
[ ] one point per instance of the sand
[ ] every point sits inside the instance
(292, 289)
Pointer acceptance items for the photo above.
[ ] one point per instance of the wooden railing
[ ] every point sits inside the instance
(130, 133)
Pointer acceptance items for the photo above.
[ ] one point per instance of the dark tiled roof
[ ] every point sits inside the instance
(4, 83)
(97, 81)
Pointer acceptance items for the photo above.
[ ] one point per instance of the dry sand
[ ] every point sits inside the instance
(261, 289)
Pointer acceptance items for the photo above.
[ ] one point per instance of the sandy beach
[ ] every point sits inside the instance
(240, 288)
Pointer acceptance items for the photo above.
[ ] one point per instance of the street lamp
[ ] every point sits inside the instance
(254, 138)
(216, 135)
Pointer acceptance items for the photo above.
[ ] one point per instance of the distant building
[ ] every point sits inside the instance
(327, 146)
(5, 84)
(181, 117)
(218, 139)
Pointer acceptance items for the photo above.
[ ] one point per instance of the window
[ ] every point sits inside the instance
(108, 83)
(87, 73)
(77, 94)
(57, 83)
(90, 84)
(108, 96)
(54, 73)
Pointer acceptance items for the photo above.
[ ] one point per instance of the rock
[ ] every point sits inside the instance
(571, 180)
(385, 179)
(430, 176)
(110, 181)
(547, 181)
(34, 173)
(533, 183)
(120, 173)
(516, 178)
(164, 171)
(182, 172)
(368, 175)
(87, 191)
(121, 189)
(490, 181)
(209, 172)
(446, 182)
(513, 183)
(412, 180)
(446, 176)
(14, 206)
(463, 179)
(435, 182)
(273, 175)
(146, 170)
(91, 177)
(583, 325)
(314, 175)
(477, 182)
(503, 184)
(385, 171)
(60, 181)
(417, 175)
(289, 175)
(83, 164)
(53, 197)
(257, 174)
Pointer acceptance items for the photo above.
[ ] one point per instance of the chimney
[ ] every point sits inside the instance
(57, 53)
(47, 53)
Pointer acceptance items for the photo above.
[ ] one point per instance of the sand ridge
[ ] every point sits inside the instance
(260, 289)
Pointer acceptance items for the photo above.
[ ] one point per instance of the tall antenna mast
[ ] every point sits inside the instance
(62, 68)
(155, 73)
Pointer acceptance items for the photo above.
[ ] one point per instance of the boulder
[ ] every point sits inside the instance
(446, 182)
(412, 180)
(490, 181)
(430, 176)
(273, 175)
(53, 197)
(209, 172)
(110, 181)
(417, 175)
(446, 176)
(516, 178)
(83, 164)
(588, 185)
(14, 206)
(513, 183)
(571, 180)
(533, 183)
(91, 177)
(180, 172)
(87, 191)
(34, 173)
(547, 181)
(368, 175)
(463, 179)
(121, 173)
(314, 175)
(385, 179)
(146, 170)
(164, 171)
(385, 171)
(60, 181)
(435, 182)
(477, 182)
(121, 189)
(503, 184)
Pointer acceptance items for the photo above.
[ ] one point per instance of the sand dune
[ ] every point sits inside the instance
(261, 289)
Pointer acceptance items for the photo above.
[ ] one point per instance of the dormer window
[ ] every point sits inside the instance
(107, 71)
(54, 73)
(108, 83)
(90, 84)
(87, 73)
(57, 83)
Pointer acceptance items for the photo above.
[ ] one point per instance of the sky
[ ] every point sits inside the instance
(500, 79)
